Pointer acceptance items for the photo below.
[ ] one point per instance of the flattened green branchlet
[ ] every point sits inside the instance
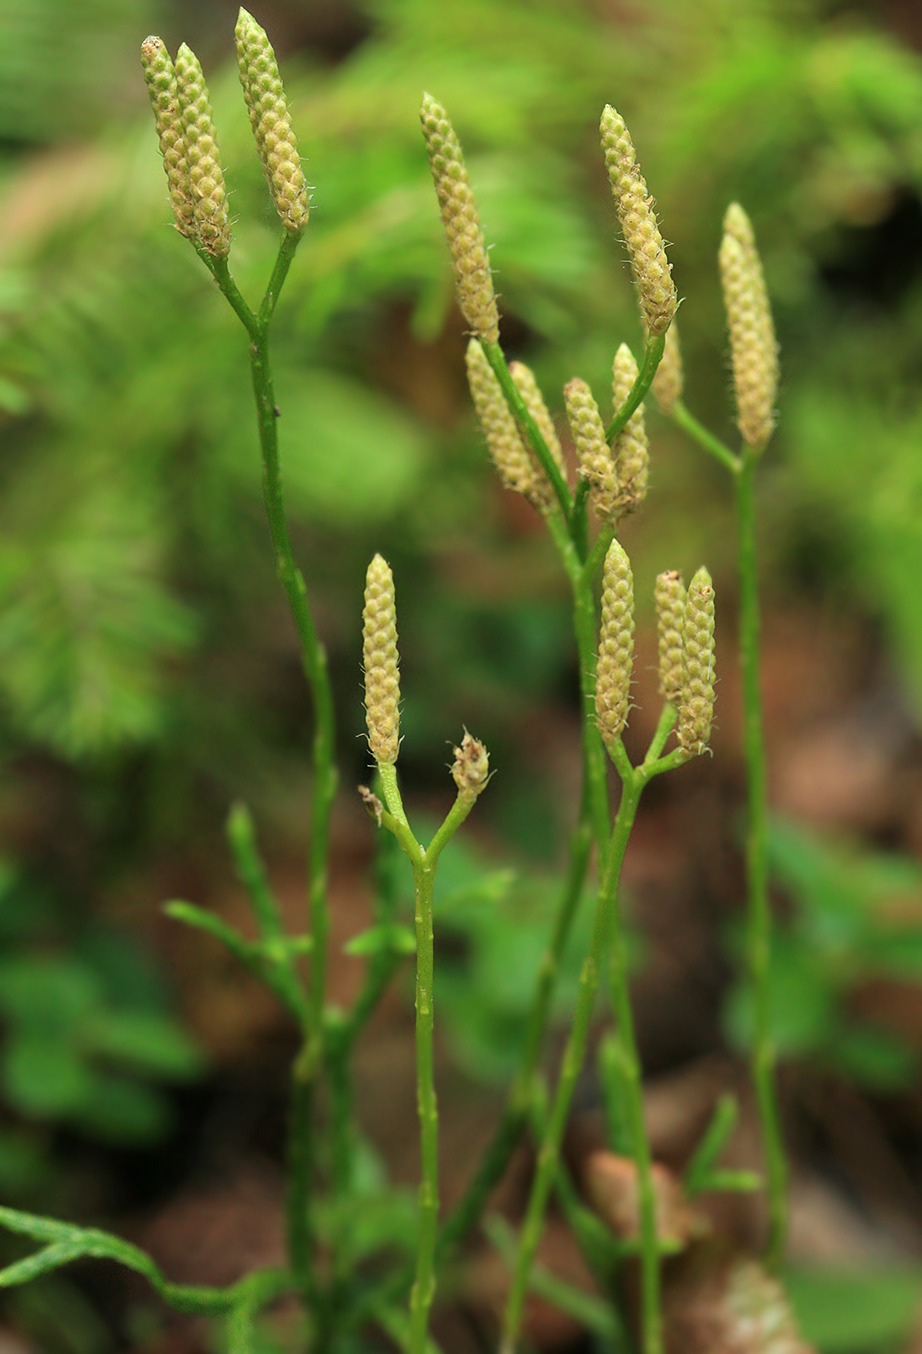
(473, 277)
(753, 346)
(382, 673)
(160, 79)
(271, 122)
(637, 216)
(206, 181)
(616, 645)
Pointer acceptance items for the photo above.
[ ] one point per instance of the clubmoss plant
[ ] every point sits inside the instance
(613, 465)
(754, 359)
(340, 1293)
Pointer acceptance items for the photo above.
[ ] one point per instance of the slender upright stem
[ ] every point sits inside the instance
(759, 913)
(424, 862)
(314, 663)
(591, 828)
(515, 1114)
(574, 1054)
(343, 1031)
(705, 439)
(653, 355)
(424, 1284)
(759, 920)
(651, 1317)
(298, 1208)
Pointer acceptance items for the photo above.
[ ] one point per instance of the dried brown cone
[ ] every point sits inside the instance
(630, 452)
(669, 380)
(616, 646)
(753, 347)
(595, 461)
(696, 698)
(473, 277)
(527, 386)
(161, 86)
(271, 122)
(471, 768)
(669, 596)
(517, 469)
(637, 216)
(206, 182)
(372, 804)
(382, 673)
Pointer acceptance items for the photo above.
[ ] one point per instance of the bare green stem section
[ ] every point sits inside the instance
(574, 1054)
(758, 916)
(758, 924)
(314, 664)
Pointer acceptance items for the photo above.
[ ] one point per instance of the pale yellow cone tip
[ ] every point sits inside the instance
(637, 215)
(738, 224)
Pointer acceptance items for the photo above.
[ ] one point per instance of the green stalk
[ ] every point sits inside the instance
(653, 354)
(594, 760)
(516, 1112)
(301, 1150)
(581, 574)
(650, 1309)
(758, 919)
(299, 1163)
(705, 439)
(759, 913)
(631, 1081)
(592, 826)
(424, 861)
(572, 1059)
(631, 1074)
(423, 1290)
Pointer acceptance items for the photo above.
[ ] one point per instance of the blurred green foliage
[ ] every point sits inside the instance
(850, 1311)
(133, 552)
(854, 917)
(89, 1036)
(493, 926)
